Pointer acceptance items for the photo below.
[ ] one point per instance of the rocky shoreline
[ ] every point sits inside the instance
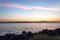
(45, 34)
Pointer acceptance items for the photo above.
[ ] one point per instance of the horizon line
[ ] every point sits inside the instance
(31, 22)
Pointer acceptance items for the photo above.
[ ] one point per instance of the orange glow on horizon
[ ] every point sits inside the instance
(35, 19)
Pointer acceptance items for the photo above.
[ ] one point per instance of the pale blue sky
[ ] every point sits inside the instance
(27, 10)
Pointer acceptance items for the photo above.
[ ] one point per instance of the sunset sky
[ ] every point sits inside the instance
(29, 10)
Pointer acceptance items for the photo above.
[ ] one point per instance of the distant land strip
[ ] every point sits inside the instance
(33, 22)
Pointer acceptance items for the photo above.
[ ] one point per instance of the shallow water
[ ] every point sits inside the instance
(17, 28)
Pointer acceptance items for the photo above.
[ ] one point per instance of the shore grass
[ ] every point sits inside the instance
(45, 37)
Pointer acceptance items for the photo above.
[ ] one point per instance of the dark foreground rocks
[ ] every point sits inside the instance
(41, 35)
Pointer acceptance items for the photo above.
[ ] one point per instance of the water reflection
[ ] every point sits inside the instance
(19, 27)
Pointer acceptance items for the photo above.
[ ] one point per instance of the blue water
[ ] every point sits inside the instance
(17, 28)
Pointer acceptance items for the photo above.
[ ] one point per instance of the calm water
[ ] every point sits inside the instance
(17, 28)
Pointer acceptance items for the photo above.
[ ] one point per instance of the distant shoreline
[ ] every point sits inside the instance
(32, 22)
(29, 22)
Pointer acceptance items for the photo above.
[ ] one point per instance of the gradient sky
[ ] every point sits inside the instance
(29, 10)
